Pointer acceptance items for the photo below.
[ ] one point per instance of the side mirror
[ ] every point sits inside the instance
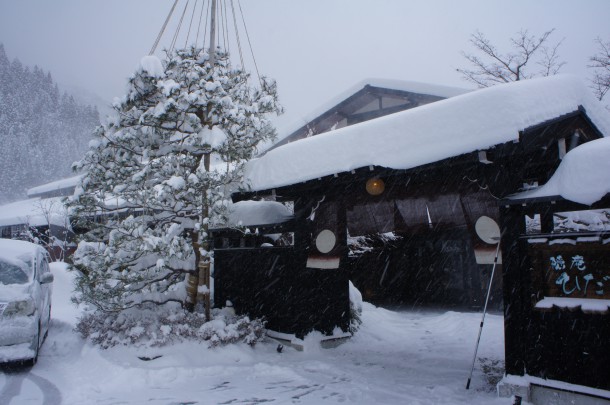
(46, 278)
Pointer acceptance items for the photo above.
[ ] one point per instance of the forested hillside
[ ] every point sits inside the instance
(42, 131)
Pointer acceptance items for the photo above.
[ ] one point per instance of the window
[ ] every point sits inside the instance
(18, 231)
(11, 274)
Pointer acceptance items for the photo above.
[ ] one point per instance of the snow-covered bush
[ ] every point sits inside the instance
(154, 326)
(359, 245)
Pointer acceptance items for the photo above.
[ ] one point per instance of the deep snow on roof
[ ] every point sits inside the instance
(34, 212)
(249, 213)
(583, 175)
(55, 185)
(429, 133)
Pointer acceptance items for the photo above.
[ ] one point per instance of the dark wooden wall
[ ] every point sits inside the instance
(273, 283)
(565, 344)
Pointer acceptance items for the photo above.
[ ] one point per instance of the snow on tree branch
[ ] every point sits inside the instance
(600, 63)
(148, 183)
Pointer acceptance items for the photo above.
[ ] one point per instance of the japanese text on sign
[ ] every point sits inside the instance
(575, 279)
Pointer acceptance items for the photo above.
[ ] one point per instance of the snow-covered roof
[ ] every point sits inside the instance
(69, 182)
(412, 87)
(429, 133)
(249, 213)
(34, 212)
(402, 85)
(583, 175)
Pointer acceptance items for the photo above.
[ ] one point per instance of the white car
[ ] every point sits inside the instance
(25, 300)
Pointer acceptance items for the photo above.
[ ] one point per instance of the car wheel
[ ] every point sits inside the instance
(31, 362)
(37, 348)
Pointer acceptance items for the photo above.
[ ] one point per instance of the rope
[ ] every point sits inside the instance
(205, 30)
(249, 43)
(199, 25)
(241, 56)
(188, 34)
(225, 26)
(221, 28)
(171, 47)
(152, 50)
(222, 31)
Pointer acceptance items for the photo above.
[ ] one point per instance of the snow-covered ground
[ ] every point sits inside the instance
(397, 357)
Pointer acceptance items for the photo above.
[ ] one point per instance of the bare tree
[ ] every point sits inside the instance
(490, 66)
(41, 230)
(600, 62)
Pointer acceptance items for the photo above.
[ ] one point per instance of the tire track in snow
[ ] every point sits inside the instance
(12, 387)
(50, 393)
(14, 381)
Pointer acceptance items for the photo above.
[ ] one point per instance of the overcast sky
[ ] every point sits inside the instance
(315, 49)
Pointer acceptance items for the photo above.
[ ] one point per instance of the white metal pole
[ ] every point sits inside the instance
(476, 349)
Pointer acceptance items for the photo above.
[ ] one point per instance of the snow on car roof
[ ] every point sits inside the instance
(17, 249)
(429, 133)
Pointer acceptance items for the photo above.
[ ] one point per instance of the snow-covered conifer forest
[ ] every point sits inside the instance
(42, 129)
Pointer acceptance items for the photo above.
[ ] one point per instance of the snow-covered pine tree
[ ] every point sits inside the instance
(147, 175)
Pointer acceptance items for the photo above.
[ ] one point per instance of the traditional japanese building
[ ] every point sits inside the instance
(394, 205)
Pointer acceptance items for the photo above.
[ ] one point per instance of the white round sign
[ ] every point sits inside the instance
(488, 230)
(325, 241)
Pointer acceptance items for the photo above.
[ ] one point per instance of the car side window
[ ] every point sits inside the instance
(43, 267)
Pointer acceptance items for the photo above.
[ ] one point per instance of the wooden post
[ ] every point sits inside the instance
(213, 33)
(201, 276)
(204, 260)
(192, 279)
(204, 280)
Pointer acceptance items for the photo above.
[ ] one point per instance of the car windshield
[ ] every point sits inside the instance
(12, 274)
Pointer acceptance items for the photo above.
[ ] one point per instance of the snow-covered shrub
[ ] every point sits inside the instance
(359, 245)
(154, 326)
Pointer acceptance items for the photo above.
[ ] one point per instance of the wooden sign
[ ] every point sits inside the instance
(581, 270)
